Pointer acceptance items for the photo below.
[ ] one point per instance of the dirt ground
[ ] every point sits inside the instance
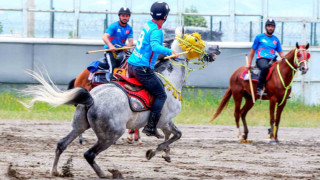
(204, 152)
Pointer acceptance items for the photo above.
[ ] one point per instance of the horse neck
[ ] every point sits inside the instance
(285, 69)
(176, 74)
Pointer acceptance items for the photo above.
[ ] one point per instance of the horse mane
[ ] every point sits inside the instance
(161, 63)
(289, 55)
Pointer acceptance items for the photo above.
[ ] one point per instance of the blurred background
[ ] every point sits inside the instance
(221, 20)
(57, 33)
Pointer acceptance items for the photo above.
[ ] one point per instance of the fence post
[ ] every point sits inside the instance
(106, 22)
(232, 24)
(76, 6)
(282, 24)
(51, 20)
(311, 34)
(315, 41)
(250, 32)
(210, 28)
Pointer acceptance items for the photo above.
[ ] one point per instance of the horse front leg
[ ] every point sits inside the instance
(278, 117)
(166, 155)
(165, 145)
(272, 106)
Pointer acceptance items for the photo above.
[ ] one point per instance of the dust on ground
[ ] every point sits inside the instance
(204, 152)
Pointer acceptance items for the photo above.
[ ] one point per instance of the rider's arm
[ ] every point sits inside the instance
(281, 54)
(130, 42)
(105, 39)
(251, 55)
(252, 51)
(156, 44)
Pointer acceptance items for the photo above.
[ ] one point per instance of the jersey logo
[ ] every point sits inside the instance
(264, 41)
(127, 32)
(119, 30)
(275, 42)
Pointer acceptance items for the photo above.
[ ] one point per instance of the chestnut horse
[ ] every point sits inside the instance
(278, 88)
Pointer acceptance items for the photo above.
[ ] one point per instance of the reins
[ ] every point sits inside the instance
(294, 70)
(189, 47)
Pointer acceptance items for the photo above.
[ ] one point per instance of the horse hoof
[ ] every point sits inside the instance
(150, 154)
(246, 142)
(129, 140)
(166, 158)
(274, 142)
(55, 173)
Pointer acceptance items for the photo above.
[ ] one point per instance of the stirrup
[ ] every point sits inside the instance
(153, 133)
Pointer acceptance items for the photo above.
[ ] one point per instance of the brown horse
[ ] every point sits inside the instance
(278, 88)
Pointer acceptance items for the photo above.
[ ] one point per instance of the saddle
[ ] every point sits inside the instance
(99, 77)
(139, 98)
(255, 72)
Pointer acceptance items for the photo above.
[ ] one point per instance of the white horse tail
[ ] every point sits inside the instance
(50, 93)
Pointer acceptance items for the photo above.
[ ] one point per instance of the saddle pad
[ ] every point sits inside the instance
(255, 74)
(129, 80)
(139, 100)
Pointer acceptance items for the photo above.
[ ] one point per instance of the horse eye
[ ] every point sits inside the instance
(299, 55)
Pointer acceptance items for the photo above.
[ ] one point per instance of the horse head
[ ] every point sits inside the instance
(196, 47)
(301, 57)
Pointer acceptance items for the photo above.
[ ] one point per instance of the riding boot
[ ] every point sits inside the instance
(151, 128)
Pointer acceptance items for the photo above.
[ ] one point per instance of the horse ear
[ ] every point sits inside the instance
(307, 46)
(297, 45)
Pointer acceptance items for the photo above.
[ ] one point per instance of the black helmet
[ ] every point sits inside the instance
(124, 10)
(270, 22)
(159, 10)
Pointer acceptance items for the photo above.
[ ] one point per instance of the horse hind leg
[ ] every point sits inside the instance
(106, 138)
(247, 106)
(79, 125)
(237, 102)
(165, 145)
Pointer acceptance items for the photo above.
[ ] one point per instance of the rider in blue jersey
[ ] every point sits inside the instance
(141, 63)
(265, 46)
(115, 37)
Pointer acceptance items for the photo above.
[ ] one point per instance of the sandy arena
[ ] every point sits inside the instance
(204, 152)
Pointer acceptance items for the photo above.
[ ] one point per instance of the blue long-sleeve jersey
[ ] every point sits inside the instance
(149, 46)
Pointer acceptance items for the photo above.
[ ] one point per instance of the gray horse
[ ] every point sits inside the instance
(106, 108)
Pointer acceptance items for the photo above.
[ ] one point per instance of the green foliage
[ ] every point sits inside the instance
(198, 107)
(10, 108)
(70, 34)
(197, 21)
(1, 28)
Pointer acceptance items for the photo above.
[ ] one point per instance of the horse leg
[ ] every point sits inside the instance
(165, 145)
(79, 125)
(107, 135)
(166, 155)
(278, 117)
(272, 106)
(247, 106)
(237, 101)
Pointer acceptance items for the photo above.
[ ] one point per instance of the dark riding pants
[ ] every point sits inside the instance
(111, 62)
(152, 84)
(263, 65)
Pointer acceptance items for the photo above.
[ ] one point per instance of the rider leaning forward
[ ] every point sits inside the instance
(141, 63)
(115, 37)
(265, 46)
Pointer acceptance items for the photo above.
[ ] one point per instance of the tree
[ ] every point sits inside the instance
(1, 28)
(198, 21)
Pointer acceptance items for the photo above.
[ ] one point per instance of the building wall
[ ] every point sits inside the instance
(65, 59)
